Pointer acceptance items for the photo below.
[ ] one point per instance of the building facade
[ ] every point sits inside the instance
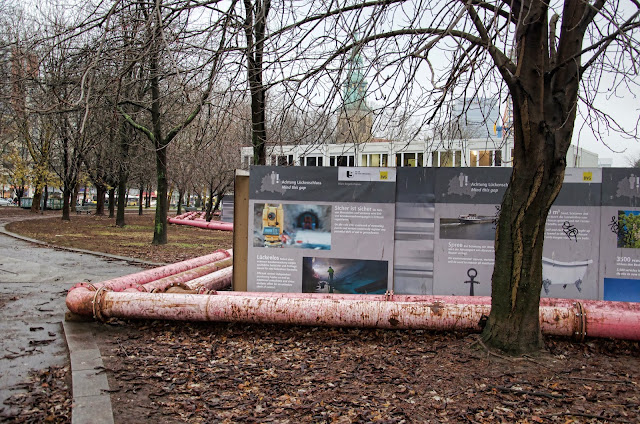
(381, 152)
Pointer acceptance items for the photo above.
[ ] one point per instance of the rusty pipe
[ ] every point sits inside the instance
(213, 225)
(163, 283)
(77, 296)
(563, 318)
(217, 280)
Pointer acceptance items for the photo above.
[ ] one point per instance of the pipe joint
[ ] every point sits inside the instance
(96, 303)
(580, 323)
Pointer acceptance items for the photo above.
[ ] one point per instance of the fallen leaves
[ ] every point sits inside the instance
(47, 399)
(242, 373)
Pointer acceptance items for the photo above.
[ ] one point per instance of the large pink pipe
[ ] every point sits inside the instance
(213, 225)
(163, 283)
(133, 280)
(217, 280)
(76, 299)
(563, 318)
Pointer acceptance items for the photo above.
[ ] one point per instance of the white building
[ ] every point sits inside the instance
(481, 152)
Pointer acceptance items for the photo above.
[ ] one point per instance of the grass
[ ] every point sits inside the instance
(100, 234)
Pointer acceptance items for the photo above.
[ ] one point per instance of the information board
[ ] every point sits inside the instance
(620, 235)
(324, 230)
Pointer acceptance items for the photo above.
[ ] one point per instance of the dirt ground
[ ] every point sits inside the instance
(202, 373)
(100, 234)
(229, 373)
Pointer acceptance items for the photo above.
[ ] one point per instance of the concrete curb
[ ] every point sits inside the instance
(90, 387)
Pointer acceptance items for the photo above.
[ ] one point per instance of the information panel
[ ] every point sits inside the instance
(620, 235)
(324, 230)
(571, 238)
(414, 232)
(467, 207)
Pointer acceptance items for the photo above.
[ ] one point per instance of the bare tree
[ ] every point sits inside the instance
(561, 51)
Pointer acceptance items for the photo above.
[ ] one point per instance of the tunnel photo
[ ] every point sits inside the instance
(285, 225)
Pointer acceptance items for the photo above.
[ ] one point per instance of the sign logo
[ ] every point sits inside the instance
(384, 175)
(349, 174)
(587, 176)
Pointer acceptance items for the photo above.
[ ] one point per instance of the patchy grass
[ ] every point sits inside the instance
(100, 234)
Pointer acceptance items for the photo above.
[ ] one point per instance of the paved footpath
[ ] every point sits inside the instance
(33, 285)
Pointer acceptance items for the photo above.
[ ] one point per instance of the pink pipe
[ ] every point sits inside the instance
(325, 312)
(132, 280)
(163, 283)
(217, 280)
(466, 300)
(563, 318)
(213, 225)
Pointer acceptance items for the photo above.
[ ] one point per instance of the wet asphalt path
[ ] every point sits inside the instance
(33, 285)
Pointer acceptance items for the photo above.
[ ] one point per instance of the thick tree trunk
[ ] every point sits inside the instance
(100, 192)
(112, 202)
(122, 202)
(37, 198)
(74, 197)
(66, 204)
(160, 226)
(544, 109)
(514, 324)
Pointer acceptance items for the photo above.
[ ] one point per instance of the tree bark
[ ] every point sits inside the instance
(37, 197)
(66, 204)
(122, 202)
(544, 109)
(112, 202)
(101, 190)
(141, 199)
(160, 226)
(74, 197)
(180, 195)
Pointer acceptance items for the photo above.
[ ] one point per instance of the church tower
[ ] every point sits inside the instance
(356, 118)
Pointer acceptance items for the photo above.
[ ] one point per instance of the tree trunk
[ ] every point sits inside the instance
(112, 202)
(46, 197)
(37, 198)
(544, 108)
(66, 204)
(101, 191)
(180, 194)
(209, 213)
(74, 197)
(84, 196)
(216, 206)
(160, 227)
(514, 324)
(122, 202)
(140, 199)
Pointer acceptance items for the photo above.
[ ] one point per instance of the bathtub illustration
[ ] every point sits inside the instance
(563, 273)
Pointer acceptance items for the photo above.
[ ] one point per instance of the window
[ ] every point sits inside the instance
(375, 159)
(342, 160)
(312, 161)
(485, 158)
(284, 160)
(449, 158)
(409, 159)
(446, 159)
